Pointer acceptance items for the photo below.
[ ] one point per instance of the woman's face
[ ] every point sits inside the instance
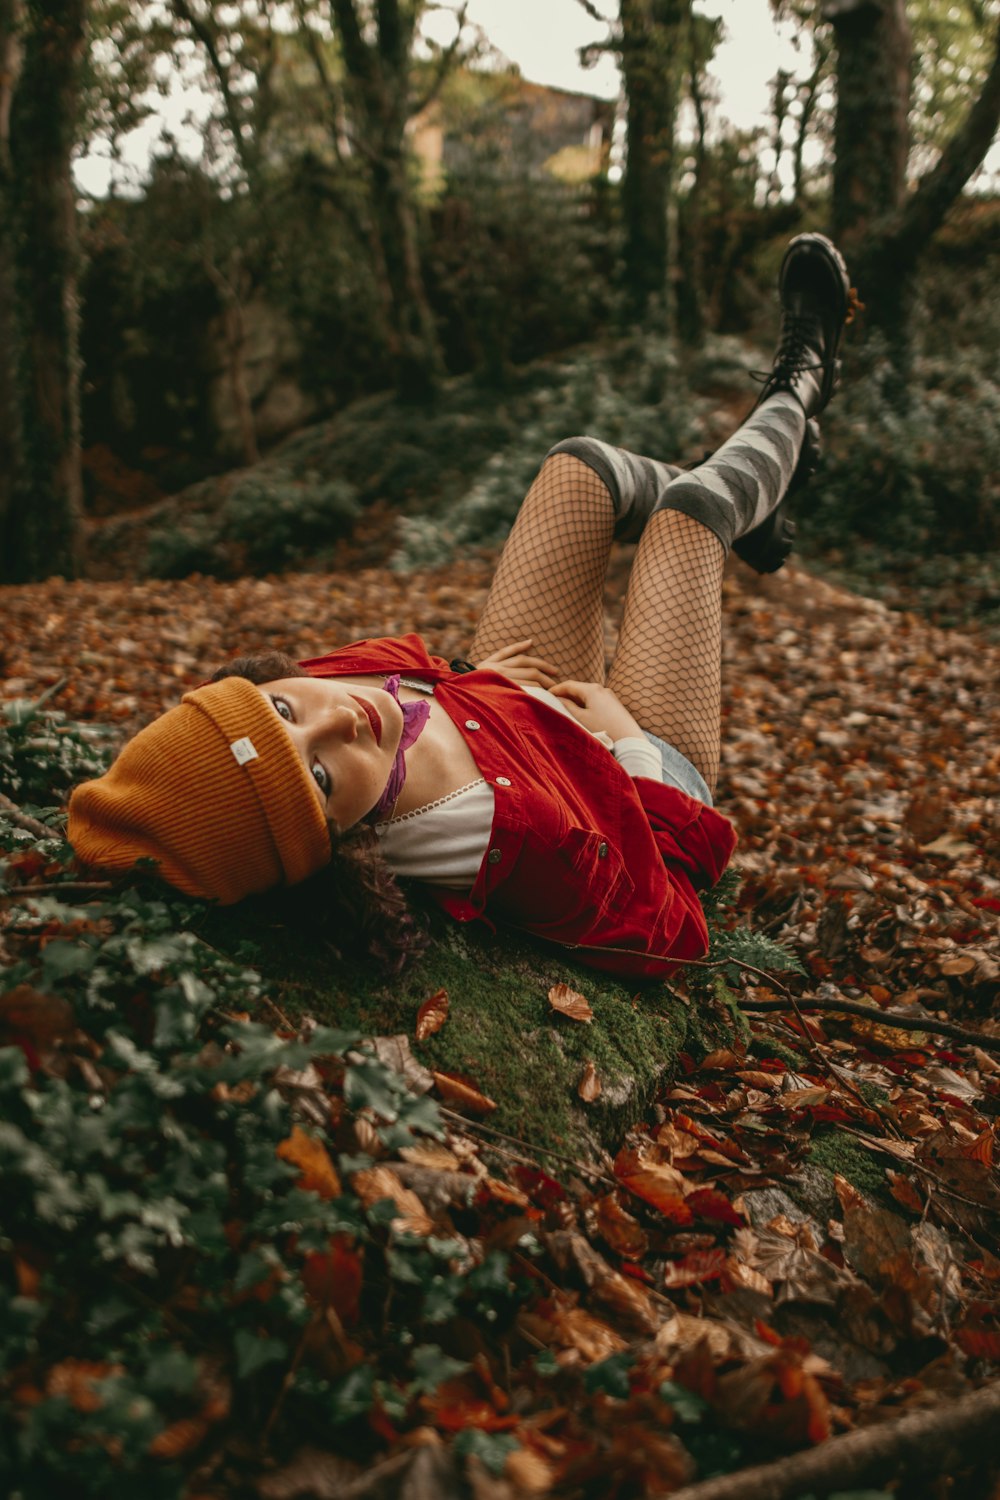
(345, 736)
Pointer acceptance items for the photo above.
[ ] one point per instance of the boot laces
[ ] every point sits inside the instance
(794, 351)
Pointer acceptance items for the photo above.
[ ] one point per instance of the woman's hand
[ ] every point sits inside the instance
(597, 708)
(515, 662)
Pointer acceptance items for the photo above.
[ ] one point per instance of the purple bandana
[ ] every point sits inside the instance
(415, 716)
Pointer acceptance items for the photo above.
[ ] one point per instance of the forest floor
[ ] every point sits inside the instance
(708, 1303)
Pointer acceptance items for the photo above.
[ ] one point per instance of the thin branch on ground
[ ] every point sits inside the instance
(929, 1438)
(883, 1017)
(25, 821)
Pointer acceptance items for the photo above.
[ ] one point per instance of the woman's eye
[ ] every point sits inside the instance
(321, 779)
(283, 709)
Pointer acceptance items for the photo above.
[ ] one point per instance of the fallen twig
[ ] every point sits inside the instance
(61, 887)
(578, 1166)
(883, 1017)
(24, 820)
(929, 1438)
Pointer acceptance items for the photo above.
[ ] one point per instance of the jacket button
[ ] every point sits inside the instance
(503, 781)
(472, 723)
(602, 850)
(494, 857)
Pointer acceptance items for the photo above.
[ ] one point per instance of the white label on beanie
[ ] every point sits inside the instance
(244, 750)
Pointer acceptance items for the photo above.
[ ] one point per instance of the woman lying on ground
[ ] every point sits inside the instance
(525, 790)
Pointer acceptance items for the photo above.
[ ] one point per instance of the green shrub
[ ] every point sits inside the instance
(43, 754)
(919, 479)
(268, 520)
(633, 396)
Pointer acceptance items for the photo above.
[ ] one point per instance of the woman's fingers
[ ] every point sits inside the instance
(576, 692)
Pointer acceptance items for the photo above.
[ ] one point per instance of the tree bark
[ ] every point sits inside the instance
(653, 33)
(885, 230)
(41, 526)
(10, 68)
(378, 65)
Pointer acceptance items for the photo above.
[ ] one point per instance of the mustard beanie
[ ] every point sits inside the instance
(213, 791)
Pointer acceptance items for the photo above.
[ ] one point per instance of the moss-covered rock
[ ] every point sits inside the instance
(501, 1034)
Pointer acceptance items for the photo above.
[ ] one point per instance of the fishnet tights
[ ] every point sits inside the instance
(548, 588)
(549, 585)
(668, 666)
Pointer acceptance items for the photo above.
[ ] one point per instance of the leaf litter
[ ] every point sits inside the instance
(719, 1300)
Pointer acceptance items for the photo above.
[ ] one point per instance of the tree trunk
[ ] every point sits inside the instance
(413, 336)
(41, 527)
(652, 50)
(10, 67)
(883, 229)
(378, 61)
(872, 132)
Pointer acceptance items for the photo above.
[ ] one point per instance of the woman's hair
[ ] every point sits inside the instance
(373, 917)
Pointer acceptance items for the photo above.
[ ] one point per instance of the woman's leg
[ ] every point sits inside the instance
(549, 584)
(667, 669)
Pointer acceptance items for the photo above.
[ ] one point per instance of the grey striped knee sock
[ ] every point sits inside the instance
(634, 482)
(736, 489)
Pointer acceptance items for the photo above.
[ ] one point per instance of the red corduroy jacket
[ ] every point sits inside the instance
(580, 853)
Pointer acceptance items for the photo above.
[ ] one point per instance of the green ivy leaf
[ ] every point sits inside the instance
(687, 1406)
(491, 1448)
(353, 1395)
(370, 1085)
(253, 1352)
(432, 1367)
(610, 1376)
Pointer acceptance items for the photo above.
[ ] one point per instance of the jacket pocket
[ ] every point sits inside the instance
(566, 888)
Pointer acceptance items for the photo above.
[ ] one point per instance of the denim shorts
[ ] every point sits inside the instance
(678, 770)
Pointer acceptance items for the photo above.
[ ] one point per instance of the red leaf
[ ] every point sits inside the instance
(700, 1265)
(661, 1192)
(709, 1203)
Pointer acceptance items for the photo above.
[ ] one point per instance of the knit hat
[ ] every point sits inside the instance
(215, 792)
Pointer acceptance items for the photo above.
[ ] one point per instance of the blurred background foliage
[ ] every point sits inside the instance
(398, 271)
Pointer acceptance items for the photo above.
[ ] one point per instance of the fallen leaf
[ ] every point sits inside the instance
(377, 1183)
(76, 1380)
(318, 1174)
(589, 1086)
(432, 1015)
(462, 1094)
(570, 1003)
(180, 1438)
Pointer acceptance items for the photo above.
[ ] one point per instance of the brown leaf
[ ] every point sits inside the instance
(462, 1094)
(41, 1019)
(529, 1471)
(76, 1380)
(961, 963)
(654, 1186)
(570, 1003)
(589, 1086)
(377, 1183)
(432, 1015)
(624, 1234)
(179, 1439)
(318, 1174)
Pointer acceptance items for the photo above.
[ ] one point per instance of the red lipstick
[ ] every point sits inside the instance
(372, 717)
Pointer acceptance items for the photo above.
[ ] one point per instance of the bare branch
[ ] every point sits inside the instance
(929, 1439)
(444, 65)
